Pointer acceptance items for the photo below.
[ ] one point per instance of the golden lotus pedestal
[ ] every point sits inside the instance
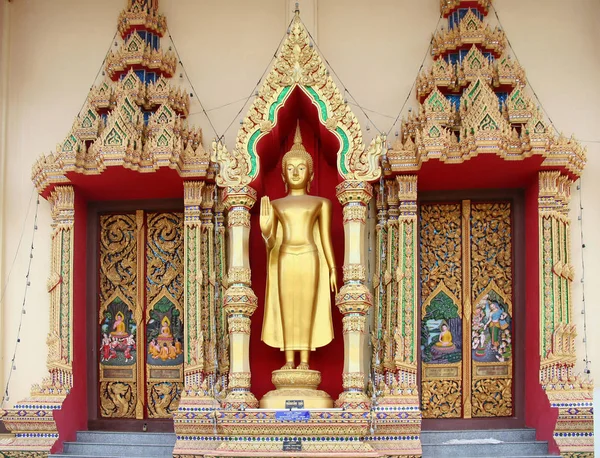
(296, 385)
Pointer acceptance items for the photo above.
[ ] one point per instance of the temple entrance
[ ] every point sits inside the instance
(140, 314)
(467, 291)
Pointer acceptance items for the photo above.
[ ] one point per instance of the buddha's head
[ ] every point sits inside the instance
(297, 165)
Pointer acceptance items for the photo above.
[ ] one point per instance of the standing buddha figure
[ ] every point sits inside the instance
(301, 267)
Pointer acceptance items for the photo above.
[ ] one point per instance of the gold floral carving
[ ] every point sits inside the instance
(441, 249)
(441, 399)
(118, 258)
(239, 325)
(355, 211)
(491, 248)
(239, 379)
(238, 275)
(238, 216)
(353, 323)
(353, 380)
(354, 272)
(164, 257)
(492, 398)
(297, 378)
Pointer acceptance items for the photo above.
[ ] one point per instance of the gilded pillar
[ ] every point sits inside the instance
(193, 278)
(239, 302)
(391, 268)
(405, 276)
(208, 329)
(354, 298)
(32, 418)
(571, 394)
(379, 331)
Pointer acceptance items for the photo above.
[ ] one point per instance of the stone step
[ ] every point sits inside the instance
(504, 435)
(98, 449)
(113, 437)
(503, 449)
(62, 455)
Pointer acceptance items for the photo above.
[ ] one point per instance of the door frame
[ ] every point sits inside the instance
(517, 200)
(94, 209)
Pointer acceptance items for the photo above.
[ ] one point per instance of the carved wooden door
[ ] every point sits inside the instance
(466, 268)
(140, 314)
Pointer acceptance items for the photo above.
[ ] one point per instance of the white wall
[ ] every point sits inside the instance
(375, 48)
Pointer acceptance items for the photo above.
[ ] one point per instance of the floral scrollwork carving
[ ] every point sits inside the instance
(239, 380)
(441, 399)
(492, 398)
(238, 325)
(354, 380)
(354, 323)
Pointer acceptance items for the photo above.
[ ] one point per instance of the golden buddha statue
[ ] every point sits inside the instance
(301, 268)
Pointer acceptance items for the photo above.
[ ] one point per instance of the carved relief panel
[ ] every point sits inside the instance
(140, 314)
(466, 309)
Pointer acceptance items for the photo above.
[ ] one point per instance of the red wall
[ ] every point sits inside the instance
(538, 413)
(73, 415)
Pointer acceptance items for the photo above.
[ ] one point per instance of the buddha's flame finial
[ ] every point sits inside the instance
(298, 135)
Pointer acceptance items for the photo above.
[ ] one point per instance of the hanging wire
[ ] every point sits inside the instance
(371, 111)
(526, 78)
(427, 53)
(99, 70)
(13, 367)
(190, 82)
(586, 360)
(18, 248)
(253, 92)
(346, 91)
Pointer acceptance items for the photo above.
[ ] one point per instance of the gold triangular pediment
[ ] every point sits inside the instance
(298, 64)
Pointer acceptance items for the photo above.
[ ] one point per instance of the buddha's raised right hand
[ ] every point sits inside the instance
(266, 217)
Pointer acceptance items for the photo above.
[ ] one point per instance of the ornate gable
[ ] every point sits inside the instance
(298, 64)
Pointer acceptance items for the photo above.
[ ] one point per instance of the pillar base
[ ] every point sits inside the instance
(238, 399)
(353, 400)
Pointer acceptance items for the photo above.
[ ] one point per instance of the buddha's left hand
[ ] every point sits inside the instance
(333, 280)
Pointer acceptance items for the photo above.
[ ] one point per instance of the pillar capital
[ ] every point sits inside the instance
(354, 191)
(239, 196)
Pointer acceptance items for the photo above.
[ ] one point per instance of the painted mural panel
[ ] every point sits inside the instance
(164, 314)
(117, 320)
(466, 309)
(140, 313)
(441, 310)
(492, 293)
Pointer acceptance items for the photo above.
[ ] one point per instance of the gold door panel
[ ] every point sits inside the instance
(466, 310)
(140, 314)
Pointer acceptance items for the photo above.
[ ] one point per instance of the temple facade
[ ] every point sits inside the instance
(463, 228)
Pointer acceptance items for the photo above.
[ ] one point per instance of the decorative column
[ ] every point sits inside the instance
(391, 269)
(571, 394)
(193, 278)
(354, 298)
(405, 358)
(239, 302)
(208, 329)
(380, 303)
(31, 420)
